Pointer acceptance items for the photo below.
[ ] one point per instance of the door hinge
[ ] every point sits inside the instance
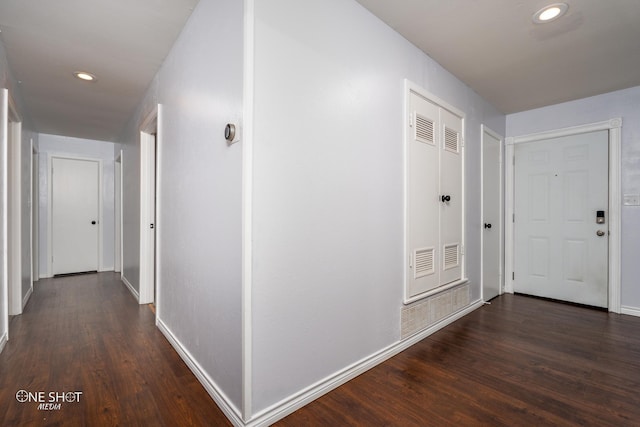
(410, 261)
(461, 250)
(513, 275)
(513, 219)
(411, 120)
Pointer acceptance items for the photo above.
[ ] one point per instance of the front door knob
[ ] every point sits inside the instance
(600, 233)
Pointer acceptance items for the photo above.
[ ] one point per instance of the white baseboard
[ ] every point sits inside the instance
(223, 402)
(131, 288)
(298, 400)
(631, 311)
(25, 300)
(3, 341)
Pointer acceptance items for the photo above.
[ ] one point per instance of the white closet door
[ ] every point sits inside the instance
(451, 195)
(423, 184)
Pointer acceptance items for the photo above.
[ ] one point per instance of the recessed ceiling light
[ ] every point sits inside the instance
(550, 13)
(83, 75)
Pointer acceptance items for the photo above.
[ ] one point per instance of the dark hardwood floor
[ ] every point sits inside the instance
(517, 362)
(87, 334)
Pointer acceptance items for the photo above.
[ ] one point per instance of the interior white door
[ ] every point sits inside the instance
(491, 216)
(75, 215)
(561, 189)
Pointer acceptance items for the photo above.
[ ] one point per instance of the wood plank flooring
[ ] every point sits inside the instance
(87, 334)
(517, 362)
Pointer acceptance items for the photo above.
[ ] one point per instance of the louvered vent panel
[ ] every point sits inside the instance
(424, 262)
(451, 256)
(424, 129)
(451, 140)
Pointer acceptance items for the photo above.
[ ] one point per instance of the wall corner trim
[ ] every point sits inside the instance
(131, 288)
(25, 300)
(223, 402)
(3, 341)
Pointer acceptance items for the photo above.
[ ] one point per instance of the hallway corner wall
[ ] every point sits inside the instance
(8, 82)
(199, 205)
(328, 219)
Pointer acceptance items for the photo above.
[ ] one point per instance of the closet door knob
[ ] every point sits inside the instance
(487, 225)
(446, 199)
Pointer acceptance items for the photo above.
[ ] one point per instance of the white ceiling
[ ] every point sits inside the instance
(491, 45)
(122, 42)
(496, 49)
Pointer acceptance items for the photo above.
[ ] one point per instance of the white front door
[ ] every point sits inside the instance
(561, 247)
(75, 214)
(491, 216)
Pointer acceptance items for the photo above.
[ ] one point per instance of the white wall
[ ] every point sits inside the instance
(8, 81)
(199, 229)
(625, 104)
(54, 145)
(328, 188)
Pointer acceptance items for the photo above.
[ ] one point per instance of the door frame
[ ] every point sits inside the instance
(50, 208)
(14, 208)
(118, 256)
(149, 253)
(4, 205)
(35, 214)
(486, 130)
(614, 126)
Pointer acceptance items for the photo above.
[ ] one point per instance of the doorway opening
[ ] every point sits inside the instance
(149, 147)
(118, 215)
(35, 215)
(538, 181)
(492, 255)
(14, 211)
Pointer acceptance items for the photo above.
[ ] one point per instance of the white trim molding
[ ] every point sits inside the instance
(289, 405)
(247, 208)
(631, 311)
(25, 300)
(3, 341)
(614, 127)
(223, 402)
(128, 284)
